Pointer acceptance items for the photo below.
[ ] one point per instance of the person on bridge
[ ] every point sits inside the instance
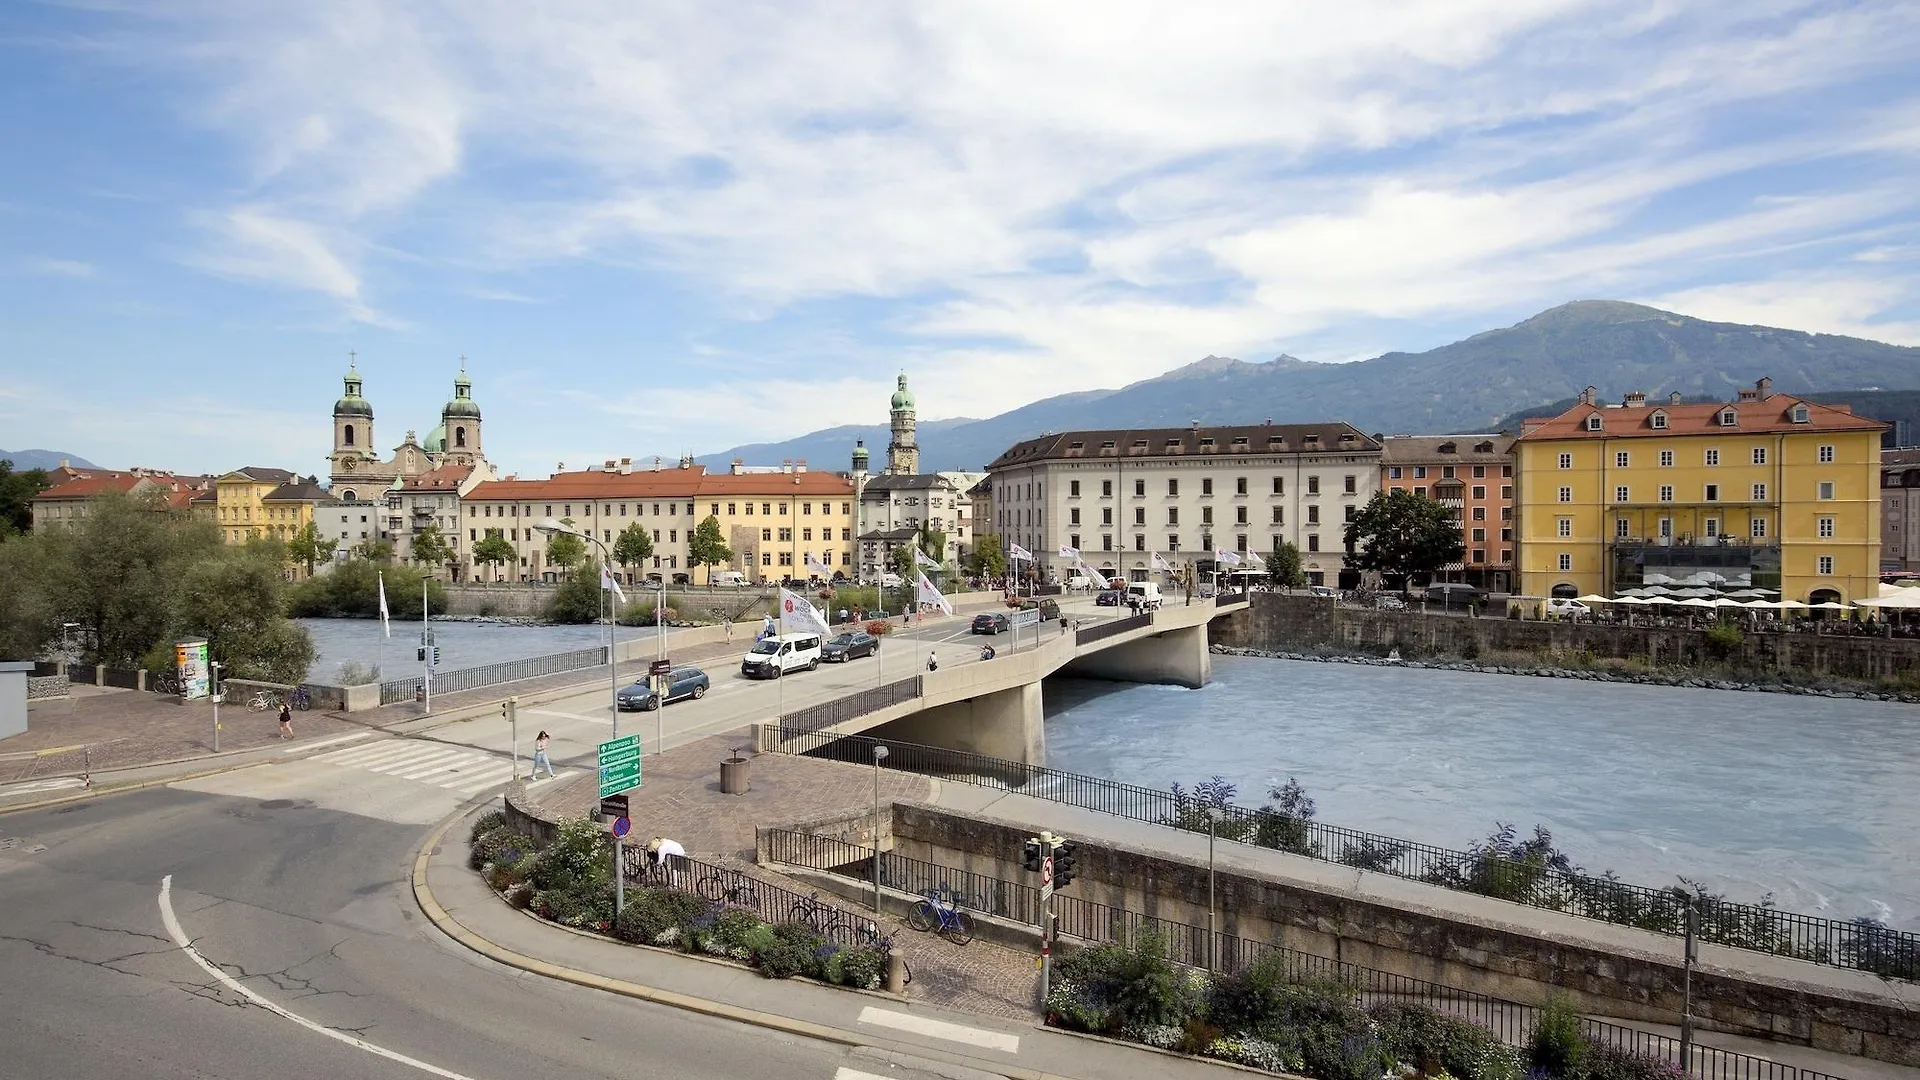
(986, 652)
(933, 662)
(540, 757)
(669, 858)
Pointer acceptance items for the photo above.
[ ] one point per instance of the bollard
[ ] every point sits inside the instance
(896, 971)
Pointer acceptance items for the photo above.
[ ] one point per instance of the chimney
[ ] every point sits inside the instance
(1636, 399)
(610, 466)
(786, 465)
(1747, 393)
(800, 465)
(559, 467)
(1764, 386)
(739, 466)
(1673, 398)
(1587, 396)
(626, 466)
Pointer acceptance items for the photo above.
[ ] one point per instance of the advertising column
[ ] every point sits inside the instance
(190, 664)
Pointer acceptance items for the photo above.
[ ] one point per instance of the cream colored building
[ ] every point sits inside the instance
(432, 500)
(360, 473)
(1121, 497)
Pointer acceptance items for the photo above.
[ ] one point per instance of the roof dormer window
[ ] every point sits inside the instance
(1658, 419)
(1593, 422)
(1728, 418)
(1801, 414)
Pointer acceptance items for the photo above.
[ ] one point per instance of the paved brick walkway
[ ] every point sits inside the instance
(681, 799)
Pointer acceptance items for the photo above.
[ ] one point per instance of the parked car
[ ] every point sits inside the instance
(728, 579)
(1327, 591)
(682, 683)
(773, 657)
(849, 646)
(990, 623)
(1109, 598)
(1146, 592)
(1566, 607)
(1049, 609)
(1453, 595)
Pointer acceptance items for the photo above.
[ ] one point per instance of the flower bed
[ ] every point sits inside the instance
(570, 882)
(1264, 1017)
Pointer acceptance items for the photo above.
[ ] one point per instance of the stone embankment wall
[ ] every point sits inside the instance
(1457, 939)
(1284, 623)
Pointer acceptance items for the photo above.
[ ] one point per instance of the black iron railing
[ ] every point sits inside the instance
(827, 714)
(729, 886)
(1860, 944)
(1510, 1021)
(449, 682)
(1101, 631)
(1225, 598)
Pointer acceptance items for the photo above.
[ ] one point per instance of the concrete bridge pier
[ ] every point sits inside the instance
(1178, 656)
(1007, 724)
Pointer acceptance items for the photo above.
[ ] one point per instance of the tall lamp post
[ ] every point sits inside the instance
(1212, 815)
(551, 527)
(879, 755)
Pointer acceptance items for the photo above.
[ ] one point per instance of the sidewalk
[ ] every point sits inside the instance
(457, 901)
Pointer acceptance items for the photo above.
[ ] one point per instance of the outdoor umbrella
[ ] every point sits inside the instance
(1906, 600)
(1594, 598)
(1727, 602)
(1636, 601)
(1766, 605)
(1791, 605)
(1695, 601)
(1828, 605)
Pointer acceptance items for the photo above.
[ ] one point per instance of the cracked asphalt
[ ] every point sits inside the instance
(308, 907)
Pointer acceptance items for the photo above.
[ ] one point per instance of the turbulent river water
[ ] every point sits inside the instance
(1815, 801)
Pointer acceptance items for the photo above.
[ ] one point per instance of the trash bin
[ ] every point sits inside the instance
(733, 775)
(420, 694)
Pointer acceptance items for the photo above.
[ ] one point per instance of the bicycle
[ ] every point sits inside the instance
(940, 912)
(729, 887)
(262, 701)
(300, 699)
(166, 684)
(816, 915)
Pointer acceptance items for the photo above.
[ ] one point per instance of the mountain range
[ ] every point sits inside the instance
(1470, 385)
(43, 459)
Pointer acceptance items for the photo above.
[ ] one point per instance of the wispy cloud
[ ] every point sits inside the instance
(62, 268)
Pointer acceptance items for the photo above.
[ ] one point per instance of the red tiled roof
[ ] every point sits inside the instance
(1768, 415)
(91, 485)
(444, 478)
(662, 484)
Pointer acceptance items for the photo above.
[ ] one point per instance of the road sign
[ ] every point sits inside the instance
(1028, 617)
(660, 667)
(1046, 879)
(622, 826)
(614, 806)
(619, 765)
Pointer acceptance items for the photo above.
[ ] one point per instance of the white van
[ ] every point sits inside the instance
(1147, 592)
(773, 657)
(728, 579)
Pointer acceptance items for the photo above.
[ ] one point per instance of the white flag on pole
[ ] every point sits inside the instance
(1069, 552)
(927, 594)
(1161, 564)
(1254, 561)
(820, 568)
(1100, 576)
(1222, 555)
(385, 621)
(921, 558)
(1015, 551)
(799, 611)
(608, 581)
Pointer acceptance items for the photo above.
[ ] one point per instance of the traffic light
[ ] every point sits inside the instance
(436, 656)
(1063, 858)
(1032, 856)
(420, 653)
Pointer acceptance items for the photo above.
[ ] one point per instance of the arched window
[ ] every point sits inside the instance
(348, 431)
(460, 436)
(349, 496)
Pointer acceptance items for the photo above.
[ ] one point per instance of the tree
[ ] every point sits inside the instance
(579, 599)
(17, 490)
(430, 548)
(707, 548)
(120, 573)
(987, 559)
(633, 547)
(493, 550)
(1402, 534)
(373, 549)
(309, 547)
(566, 550)
(933, 543)
(1284, 567)
(901, 559)
(353, 589)
(235, 598)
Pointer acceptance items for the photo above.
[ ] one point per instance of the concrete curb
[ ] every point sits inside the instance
(119, 789)
(446, 924)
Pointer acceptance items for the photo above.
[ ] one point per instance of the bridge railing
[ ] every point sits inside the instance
(828, 713)
(448, 682)
(1102, 631)
(1227, 598)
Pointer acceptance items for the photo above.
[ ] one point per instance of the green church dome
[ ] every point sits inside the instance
(902, 398)
(351, 403)
(462, 403)
(436, 442)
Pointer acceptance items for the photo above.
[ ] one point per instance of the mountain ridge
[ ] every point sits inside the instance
(43, 459)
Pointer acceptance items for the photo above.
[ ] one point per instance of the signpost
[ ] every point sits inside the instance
(619, 774)
(659, 675)
(621, 827)
(1024, 618)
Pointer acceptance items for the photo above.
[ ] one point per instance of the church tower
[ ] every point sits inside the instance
(458, 440)
(352, 431)
(903, 454)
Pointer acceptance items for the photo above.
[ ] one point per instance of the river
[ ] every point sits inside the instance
(1816, 801)
(462, 644)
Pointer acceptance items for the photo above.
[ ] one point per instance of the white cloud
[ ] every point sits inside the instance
(1819, 304)
(66, 268)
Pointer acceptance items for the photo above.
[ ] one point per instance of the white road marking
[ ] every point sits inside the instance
(53, 784)
(844, 1073)
(355, 737)
(180, 938)
(462, 769)
(568, 716)
(940, 1029)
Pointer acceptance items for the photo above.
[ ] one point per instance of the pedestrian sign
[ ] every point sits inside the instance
(619, 765)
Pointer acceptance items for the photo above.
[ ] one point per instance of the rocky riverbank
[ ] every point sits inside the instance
(1613, 675)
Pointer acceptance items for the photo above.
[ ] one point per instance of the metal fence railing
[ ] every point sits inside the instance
(124, 678)
(1101, 631)
(1226, 598)
(1859, 944)
(1511, 1022)
(826, 714)
(450, 682)
(732, 887)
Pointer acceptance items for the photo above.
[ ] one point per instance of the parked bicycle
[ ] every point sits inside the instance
(166, 684)
(829, 922)
(940, 912)
(299, 699)
(730, 887)
(262, 700)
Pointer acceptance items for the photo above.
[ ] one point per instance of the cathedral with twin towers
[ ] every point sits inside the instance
(359, 472)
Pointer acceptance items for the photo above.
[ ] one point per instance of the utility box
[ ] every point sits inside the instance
(13, 697)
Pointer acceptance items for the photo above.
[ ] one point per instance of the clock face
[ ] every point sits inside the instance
(346, 464)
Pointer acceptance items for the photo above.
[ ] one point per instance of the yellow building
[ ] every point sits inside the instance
(1768, 491)
(257, 502)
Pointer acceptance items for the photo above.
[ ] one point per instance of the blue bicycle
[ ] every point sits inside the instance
(940, 912)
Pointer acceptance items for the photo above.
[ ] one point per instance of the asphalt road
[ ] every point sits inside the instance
(302, 901)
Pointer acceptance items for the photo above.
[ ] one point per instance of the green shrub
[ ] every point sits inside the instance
(503, 843)
(1558, 1046)
(794, 950)
(658, 916)
(589, 908)
(1432, 1041)
(864, 968)
(1613, 1063)
(1111, 988)
(578, 858)
(1724, 639)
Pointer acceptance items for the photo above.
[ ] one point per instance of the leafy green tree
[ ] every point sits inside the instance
(494, 550)
(119, 573)
(430, 547)
(987, 559)
(353, 590)
(579, 599)
(374, 550)
(566, 550)
(1285, 568)
(235, 599)
(1402, 534)
(17, 490)
(933, 543)
(901, 562)
(707, 547)
(633, 547)
(309, 547)
(29, 618)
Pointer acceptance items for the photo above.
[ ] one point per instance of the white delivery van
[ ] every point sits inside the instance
(773, 657)
(728, 579)
(1079, 583)
(1147, 592)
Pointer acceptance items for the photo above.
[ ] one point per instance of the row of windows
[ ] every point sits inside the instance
(1822, 564)
(1173, 541)
(1824, 491)
(673, 535)
(1349, 485)
(1727, 417)
(1623, 459)
(1447, 472)
(1206, 515)
(566, 509)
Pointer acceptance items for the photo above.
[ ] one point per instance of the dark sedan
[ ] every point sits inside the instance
(849, 646)
(990, 623)
(1109, 598)
(682, 683)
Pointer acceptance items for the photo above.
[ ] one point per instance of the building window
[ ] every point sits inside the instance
(1666, 492)
(1479, 472)
(1313, 541)
(1279, 485)
(1206, 515)
(1240, 485)
(1593, 422)
(1713, 493)
(1139, 542)
(1620, 458)
(1566, 559)
(1759, 493)
(1073, 516)
(1313, 515)
(1506, 492)
(1620, 528)
(1711, 526)
(1564, 527)
(1393, 472)
(1824, 566)
(1666, 527)
(1313, 485)
(1826, 454)
(1348, 511)
(1106, 515)
(1479, 491)
(1073, 489)
(1566, 461)
(1666, 459)
(1240, 515)
(1139, 515)
(807, 534)
(1800, 415)
(1479, 513)
(1173, 515)
(1139, 489)
(1826, 528)
(1757, 528)
(1352, 484)
(1826, 489)
(1620, 494)
(1279, 517)
(1713, 457)
(1173, 486)
(1479, 536)
(1419, 472)
(1173, 542)
(1566, 494)
(1479, 555)
(1206, 485)
(1073, 541)
(1446, 473)
(766, 558)
(1658, 420)
(1759, 455)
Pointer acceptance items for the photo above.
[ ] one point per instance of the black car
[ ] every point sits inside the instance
(849, 646)
(1108, 598)
(990, 623)
(682, 683)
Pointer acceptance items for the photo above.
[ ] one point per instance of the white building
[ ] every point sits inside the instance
(432, 499)
(348, 523)
(891, 508)
(1121, 497)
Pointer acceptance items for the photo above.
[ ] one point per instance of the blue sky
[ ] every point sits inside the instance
(654, 227)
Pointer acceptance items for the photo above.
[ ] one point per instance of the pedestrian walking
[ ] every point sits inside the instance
(540, 757)
(933, 662)
(729, 631)
(286, 721)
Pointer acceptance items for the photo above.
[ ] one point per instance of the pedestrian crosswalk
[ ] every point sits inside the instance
(456, 768)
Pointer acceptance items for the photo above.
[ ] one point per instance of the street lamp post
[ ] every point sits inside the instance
(879, 755)
(548, 528)
(1213, 819)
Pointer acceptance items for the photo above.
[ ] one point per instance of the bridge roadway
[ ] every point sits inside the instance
(578, 721)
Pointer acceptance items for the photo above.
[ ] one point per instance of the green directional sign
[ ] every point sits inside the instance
(619, 765)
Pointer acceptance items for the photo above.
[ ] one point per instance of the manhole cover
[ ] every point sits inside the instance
(276, 804)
